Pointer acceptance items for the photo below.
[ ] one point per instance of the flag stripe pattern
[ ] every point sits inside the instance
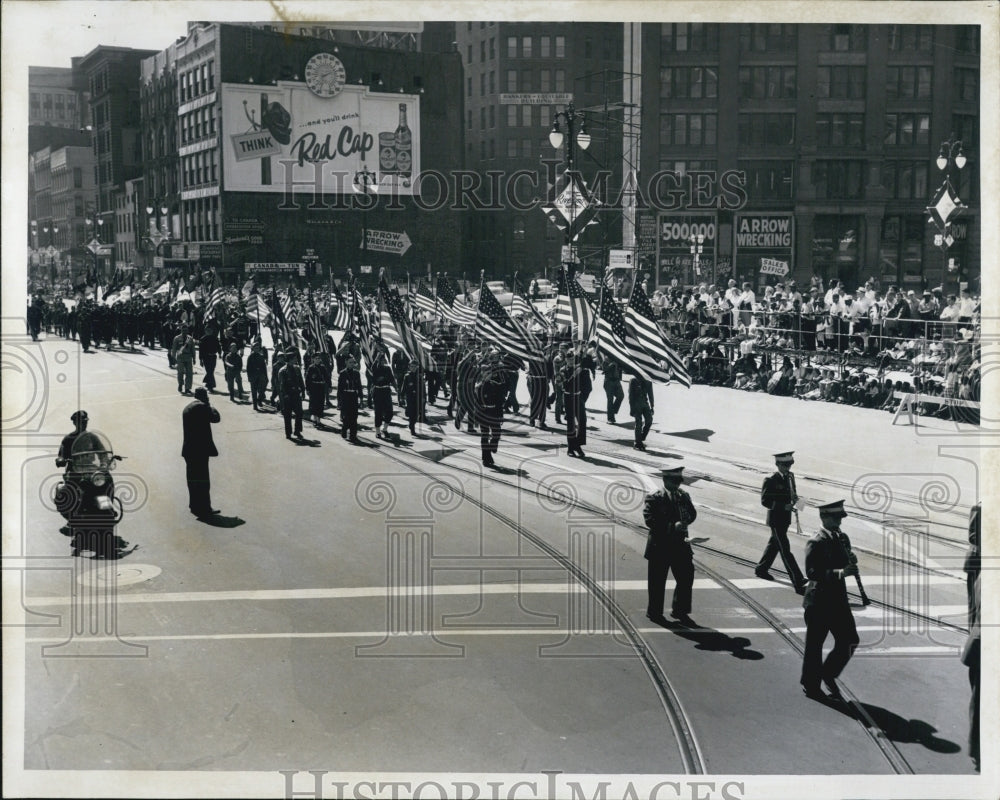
(564, 314)
(614, 339)
(396, 331)
(641, 322)
(495, 325)
(424, 300)
(451, 308)
(581, 308)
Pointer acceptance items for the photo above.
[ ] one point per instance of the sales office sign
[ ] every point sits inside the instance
(287, 136)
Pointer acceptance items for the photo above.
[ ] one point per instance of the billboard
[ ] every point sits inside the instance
(288, 136)
(764, 246)
(675, 261)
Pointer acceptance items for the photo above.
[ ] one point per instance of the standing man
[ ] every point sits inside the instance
(198, 418)
(208, 354)
(538, 390)
(491, 395)
(779, 497)
(829, 561)
(668, 513)
(576, 387)
(292, 388)
(233, 364)
(613, 386)
(640, 406)
(257, 374)
(349, 399)
(183, 353)
(382, 386)
(316, 387)
(412, 393)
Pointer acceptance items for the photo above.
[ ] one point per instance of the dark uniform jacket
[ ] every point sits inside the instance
(777, 493)
(197, 419)
(640, 396)
(290, 382)
(661, 514)
(257, 367)
(349, 389)
(825, 552)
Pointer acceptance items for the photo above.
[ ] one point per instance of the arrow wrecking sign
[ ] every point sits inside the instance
(387, 242)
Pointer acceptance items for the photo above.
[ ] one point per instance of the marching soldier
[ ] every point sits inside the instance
(640, 406)
(491, 394)
(257, 374)
(613, 387)
(317, 387)
(208, 353)
(349, 399)
(668, 513)
(538, 390)
(779, 497)
(292, 387)
(829, 560)
(576, 387)
(465, 387)
(382, 386)
(182, 350)
(412, 393)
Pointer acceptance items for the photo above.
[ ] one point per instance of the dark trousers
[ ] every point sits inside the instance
(538, 391)
(676, 558)
(208, 361)
(292, 407)
(234, 382)
(349, 416)
(199, 484)
(778, 543)
(433, 385)
(615, 396)
(576, 421)
(820, 622)
(643, 422)
(490, 437)
(258, 384)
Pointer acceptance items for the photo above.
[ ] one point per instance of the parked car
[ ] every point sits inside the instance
(499, 290)
(546, 288)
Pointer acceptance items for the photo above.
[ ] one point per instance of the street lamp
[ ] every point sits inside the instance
(95, 247)
(556, 138)
(52, 259)
(366, 183)
(158, 228)
(697, 243)
(946, 205)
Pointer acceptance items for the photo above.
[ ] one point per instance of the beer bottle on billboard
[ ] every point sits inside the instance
(404, 144)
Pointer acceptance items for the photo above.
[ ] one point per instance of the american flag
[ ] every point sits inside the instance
(368, 335)
(614, 339)
(396, 331)
(280, 325)
(424, 300)
(453, 309)
(581, 309)
(641, 322)
(216, 296)
(564, 314)
(521, 305)
(342, 317)
(316, 326)
(495, 325)
(257, 308)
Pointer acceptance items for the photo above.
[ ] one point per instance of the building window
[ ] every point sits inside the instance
(526, 148)
(526, 47)
(545, 114)
(762, 37)
(519, 228)
(761, 83)
(687, 129)
(839, 180)
(967, 85)
(545, 46)
(689, 82)
(767, 129)
(482, 118)
(482, 85)
(526, 116)
(907, 129)
(560, 82)
(492, 116)
(840, 130)
(512, 148)
(493, 153)
(844, 38)
(966, 129)
(482, 51)
(967, 39)
(680, 37)
(511, 116)
(560, 47)
(468, 54)
(907, 38)
(545, 80)
(907, 82)
(512, 80)
(526, 82)
(905, 180)
(493, 82)
(468, 87)
(835, 245)
(511, 47)
(841, 83)
(768, 180)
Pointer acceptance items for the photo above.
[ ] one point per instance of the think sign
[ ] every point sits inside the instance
(254, 145)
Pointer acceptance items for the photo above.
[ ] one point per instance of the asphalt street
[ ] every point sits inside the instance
(392, 607)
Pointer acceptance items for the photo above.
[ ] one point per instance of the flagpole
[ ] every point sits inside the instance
(482, 286)
(597, 314)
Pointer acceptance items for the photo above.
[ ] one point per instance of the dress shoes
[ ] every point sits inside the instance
(684, 619)
(832, 688)
(763, 574)
(659, 619)
(813, 692)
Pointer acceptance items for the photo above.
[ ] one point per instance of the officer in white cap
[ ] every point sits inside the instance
(778, 496)
(829, 561)
(667, 514)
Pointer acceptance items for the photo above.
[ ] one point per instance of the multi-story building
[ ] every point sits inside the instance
(113, 79)
(517, 77)
(72, 172)
(811, 146)
(58, 96)
(128, 224)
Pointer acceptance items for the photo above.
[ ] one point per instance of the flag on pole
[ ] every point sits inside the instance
(280, 325)
(316, 326)
(495, 325)
(424, 300)
(564, 313)
(581, 309)
(396, 331)
(642, 323)
(342, 317)
(522, 305)
(615, 340)
(452, 309)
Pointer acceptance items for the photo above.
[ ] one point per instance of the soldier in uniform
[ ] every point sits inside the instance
(208, 354)
(576, 387)
(317, 387)
(829, 561)
(465, 388)
(412, 393)
(778, 496)
(257, 374)
(84, 322)
(613, 387)
(668, 513)
(382, 386)
(292, 388)
(538, 390)
(491, 394)
(349, 391)
(183, 352)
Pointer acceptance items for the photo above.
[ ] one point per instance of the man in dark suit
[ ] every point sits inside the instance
(198, 418)
(667, 514)
(778, 496)
(829, 561)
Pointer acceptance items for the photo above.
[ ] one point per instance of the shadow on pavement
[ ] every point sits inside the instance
(899, 729)
(698, 434)
(711, 639)
(220, 521)
(301, 441)
(507, 471)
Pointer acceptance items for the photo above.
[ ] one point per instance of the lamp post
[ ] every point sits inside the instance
(52, 231)
(946, 205)
(365, 183)
(159, 229)
(34, 240)
(96, 223)
(697, 243)
(569, 116)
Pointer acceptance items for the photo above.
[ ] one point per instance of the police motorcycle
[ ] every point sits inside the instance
(86, 496)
